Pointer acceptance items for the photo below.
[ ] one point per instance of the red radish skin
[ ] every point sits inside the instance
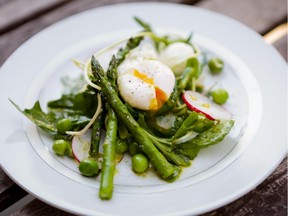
(197, 110)
(204, 105)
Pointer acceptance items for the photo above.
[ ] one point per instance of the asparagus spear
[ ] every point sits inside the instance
(96, 134)
(164, 168)
(119, 58)
(108, 166)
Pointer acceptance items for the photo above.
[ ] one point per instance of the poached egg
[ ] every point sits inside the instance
(145, 84)
(176, 55)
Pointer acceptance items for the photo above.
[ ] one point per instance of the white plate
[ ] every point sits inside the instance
(219, 175)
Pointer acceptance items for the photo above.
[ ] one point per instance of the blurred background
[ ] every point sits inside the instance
(21, 19)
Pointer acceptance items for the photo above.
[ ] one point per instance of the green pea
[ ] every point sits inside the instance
(140, 163)
(64, 125)
(122, 131)
(89, 167)
(215, 65)
(220, 96)
(60, 147)
(200, 87)
(134, 148)
(121, 146)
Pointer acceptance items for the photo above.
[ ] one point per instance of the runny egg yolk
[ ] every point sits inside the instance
(161, 96)
(160, 99)
(143, 77)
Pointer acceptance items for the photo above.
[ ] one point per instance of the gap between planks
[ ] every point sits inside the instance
(14, 13)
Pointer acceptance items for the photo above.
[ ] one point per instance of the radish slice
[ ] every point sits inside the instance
(202, 104)
(81, 147)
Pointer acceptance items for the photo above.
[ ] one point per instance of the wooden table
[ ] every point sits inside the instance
(21, 19)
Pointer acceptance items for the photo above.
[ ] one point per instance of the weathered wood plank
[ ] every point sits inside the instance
(13, 39)
(260, 15)
(5, 181)
(15, 12)
(9, 191)
(2, 2)
(10, 196)
(38, 208)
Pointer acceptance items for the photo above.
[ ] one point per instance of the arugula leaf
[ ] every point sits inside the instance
(79, 108)
(209, 137)
(81, 104)
(46, 121)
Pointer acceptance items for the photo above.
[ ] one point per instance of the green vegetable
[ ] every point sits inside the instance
(145, 25)
(121, 146)
(164, 168)
(184, 128)
(60, 147)
(209, 137)
(64, 125)
(96, 134)
(169, 104)
(122, 52)
(161, 41)
(119, 58)
(165, 146)
(46, 121)
(134, 148)
(112, 71)
(199, 87)
(122, 131)
(81, 104)
(140, 163)
(216, 65)
(194, 66)
(89, 167)
(70, 151)
(220, 96)
(202, 124)
(165, 125)
(108, 166)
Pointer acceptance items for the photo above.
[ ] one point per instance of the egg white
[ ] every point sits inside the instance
(175, 56)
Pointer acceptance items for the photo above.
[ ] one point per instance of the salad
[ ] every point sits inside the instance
(149, 103)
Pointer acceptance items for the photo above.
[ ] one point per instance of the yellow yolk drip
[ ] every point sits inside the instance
(160, 99)
(143, 77)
